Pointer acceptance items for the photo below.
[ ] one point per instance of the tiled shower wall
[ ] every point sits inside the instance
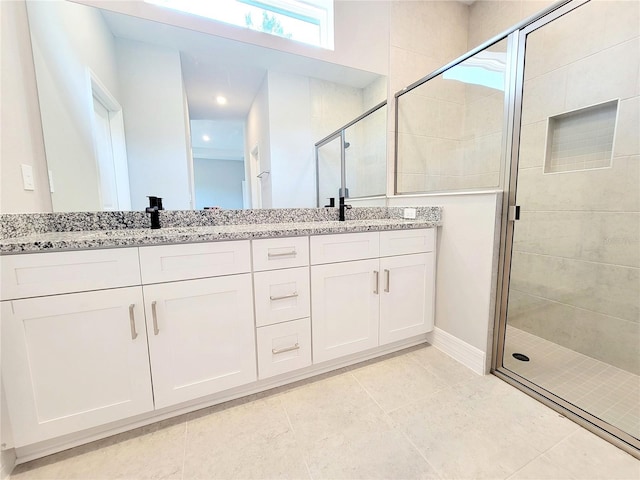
(576, 260)
(449, 133)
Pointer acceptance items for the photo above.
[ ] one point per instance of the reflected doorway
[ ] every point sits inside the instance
(218, 163)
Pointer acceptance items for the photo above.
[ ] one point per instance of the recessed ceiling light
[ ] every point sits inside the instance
(221, 100)
(206, 138)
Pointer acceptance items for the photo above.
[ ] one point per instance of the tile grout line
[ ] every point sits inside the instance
(544, 452)
(184, 449)
(394, 425)
(306, 465)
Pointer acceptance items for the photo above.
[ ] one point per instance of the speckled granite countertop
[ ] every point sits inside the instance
(32, 233)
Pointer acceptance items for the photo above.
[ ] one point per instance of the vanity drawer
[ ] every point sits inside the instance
(272, 253)
(283, 347)
(344, 247)
(281, 295)
(38, 274)
(168, 263)
(405, 242)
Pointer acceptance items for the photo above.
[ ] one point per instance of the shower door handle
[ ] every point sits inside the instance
(514, 213)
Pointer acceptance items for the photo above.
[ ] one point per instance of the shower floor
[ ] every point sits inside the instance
(607, 392)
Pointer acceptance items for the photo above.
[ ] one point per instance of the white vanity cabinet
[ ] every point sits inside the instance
(406, 296)
(282, 299)
(201, 337)
(361, 304)
(74, 361)
(94, 340)
(345, 305)
(201, 332)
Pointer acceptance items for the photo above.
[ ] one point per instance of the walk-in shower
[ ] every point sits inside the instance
(548, 113)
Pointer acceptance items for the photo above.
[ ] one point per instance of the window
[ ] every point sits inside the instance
(308, 21)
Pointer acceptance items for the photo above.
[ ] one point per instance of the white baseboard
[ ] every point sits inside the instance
(468, 355)
(7, 462)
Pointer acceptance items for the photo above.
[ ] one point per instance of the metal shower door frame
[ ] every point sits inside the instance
(592, 423)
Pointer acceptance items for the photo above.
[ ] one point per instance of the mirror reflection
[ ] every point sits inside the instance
(132, 108)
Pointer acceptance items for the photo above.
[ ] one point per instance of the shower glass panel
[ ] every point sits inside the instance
(329, 174)
(450, 128)
(573, 307)
(366, 155)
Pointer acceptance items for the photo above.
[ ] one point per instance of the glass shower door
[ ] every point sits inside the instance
(573, 306)
(329, 170)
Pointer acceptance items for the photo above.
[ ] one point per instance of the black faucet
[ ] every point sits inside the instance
(155, 205)
(342, 209)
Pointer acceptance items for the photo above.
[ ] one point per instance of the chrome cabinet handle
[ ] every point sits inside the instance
(377, 275)
(387, 275)
(275, 351)
(285, 254)
(132, 322)
(282, 297)
(154, 312)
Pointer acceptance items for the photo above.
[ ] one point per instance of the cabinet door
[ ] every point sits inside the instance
(345, 308)
(406, 296)
(201, 337)
(75, 361)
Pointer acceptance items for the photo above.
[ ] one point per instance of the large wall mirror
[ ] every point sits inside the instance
(132, 107)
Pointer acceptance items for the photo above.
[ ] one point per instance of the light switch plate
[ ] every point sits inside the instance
(27, 177)
(409, 213)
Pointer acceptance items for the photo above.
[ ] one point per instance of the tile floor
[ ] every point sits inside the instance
(603, 390)
(415, 414)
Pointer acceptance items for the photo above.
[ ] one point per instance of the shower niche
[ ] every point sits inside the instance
(581, 139)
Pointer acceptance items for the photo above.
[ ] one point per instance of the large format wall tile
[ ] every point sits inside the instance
(604, 76)
(605, 237)
(609, 339)
(606, 289)
(612, 189)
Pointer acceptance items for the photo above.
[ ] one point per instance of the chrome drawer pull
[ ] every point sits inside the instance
(377, 275)
(387, 274)
(282, 297)
(285, 254)
(275, 351)
(132, 321)
(156, 330)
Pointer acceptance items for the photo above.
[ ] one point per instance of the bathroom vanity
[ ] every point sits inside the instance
(97, 340)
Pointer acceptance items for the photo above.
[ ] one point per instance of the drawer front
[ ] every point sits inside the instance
(284, 347)
(344, 247)
(168, 263)
(273, 253)
(38, 274)
(405, 242)
(281, 295)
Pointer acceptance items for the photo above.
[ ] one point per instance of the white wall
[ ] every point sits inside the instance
(21, 134)
(218, 183)
(291, 141)
(61, 34)
(361, 31)
(68, 40)
(257, 134)
(155, 127)
(465, 263)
